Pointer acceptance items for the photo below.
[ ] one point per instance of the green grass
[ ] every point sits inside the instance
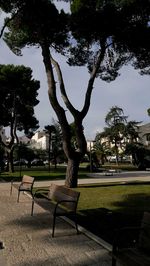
(40, 173)
(116, 197)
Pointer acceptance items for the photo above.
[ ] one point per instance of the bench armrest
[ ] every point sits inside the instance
(42, 191)
(65, 201)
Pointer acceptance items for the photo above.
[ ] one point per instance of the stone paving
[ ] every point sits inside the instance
(28, 242)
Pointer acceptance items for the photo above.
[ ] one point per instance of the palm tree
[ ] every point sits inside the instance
(101, 148)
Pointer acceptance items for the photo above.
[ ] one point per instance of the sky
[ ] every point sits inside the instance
(130, 90)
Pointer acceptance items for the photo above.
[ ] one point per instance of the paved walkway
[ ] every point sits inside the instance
(96, 178)
(28, 242)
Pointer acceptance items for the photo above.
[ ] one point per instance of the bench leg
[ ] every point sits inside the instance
(113, 262)
(76, 225)
(32, 208)
(18, 195)
(54, 221)
(11, 189)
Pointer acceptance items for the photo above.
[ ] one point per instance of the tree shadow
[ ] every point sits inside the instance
(103, 222)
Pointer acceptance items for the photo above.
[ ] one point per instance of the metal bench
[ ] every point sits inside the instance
(59, 200)
(25, 185)
(137, 254)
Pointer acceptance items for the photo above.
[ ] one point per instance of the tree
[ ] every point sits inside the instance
(132, 132)
(103, 35)
(49, 129)
(57, 149)
(138, 152)
(19, 91)
(55, 142)
(22, 151)
(116, 128)
(101, 147)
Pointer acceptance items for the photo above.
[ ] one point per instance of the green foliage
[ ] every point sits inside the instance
(121, 133)
(36, 22)
(123, 26)
(140, 155)
(115, 121)
(115, 116)
(18, 97)
(55, 140)
(132, 131)
(24, 152)
(148, 111)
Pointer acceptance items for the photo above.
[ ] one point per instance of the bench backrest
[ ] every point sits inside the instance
(27, 181)
(61, 193)
(144, 237)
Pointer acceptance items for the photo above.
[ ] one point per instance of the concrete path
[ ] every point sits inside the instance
(28, 242)
(101, 178)
(135, 176)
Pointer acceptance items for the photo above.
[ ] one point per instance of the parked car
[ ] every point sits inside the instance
(37, 162)
(20, 162)
(46, 162)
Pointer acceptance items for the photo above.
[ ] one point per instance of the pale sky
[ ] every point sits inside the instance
(130, 90)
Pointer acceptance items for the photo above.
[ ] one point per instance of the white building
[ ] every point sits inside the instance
(24, 140)
(144, 134)
(40, 140)
(90, 144)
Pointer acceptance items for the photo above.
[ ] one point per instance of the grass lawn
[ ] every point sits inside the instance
(41, 173)
(102, 209)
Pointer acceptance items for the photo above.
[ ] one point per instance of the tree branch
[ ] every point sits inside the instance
(68, 104)
(15, 130)
(60, 112)
(92, 79)
(9, 20)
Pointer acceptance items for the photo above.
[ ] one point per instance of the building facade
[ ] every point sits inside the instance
(144, 135)
(40, 140)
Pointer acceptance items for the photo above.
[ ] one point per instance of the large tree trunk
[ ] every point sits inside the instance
(75, 154)
(72, 173)
(10, 160)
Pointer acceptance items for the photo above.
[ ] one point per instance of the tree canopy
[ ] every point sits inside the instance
(18, 97)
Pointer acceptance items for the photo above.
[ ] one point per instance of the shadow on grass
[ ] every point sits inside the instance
(103, 222)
